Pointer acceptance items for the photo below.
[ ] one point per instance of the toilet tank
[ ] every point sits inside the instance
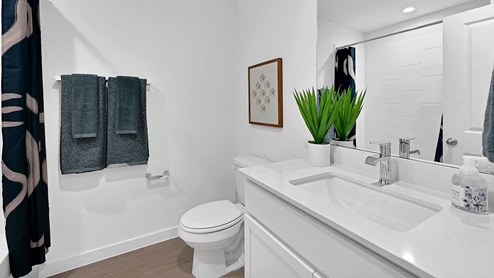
(241, 162)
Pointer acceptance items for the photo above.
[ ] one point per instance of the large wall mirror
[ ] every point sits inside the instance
(415, 77)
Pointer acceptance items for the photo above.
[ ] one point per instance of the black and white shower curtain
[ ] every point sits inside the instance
(344, 75)
(24, 175)
(438, 156)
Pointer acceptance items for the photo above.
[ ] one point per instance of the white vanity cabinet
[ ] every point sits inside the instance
(266, 256)
(284, 241)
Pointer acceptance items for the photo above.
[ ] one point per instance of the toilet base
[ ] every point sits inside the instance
(211, 263)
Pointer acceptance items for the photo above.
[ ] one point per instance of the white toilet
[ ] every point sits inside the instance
(215, 229)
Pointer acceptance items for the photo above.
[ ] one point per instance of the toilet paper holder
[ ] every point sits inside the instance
(166, 174)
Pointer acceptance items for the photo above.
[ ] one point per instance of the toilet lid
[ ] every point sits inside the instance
(211, 217)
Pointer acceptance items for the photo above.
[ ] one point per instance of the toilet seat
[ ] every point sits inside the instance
(211, 217)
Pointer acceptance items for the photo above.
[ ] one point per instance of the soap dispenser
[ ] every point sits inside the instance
(469, 189)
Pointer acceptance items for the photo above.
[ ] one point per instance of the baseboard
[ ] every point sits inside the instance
(53, 268)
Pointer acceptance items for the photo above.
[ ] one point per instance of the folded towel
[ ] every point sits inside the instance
(488, 132)
(128, 89)
(84, 103)
(131, 149)
(78, 155)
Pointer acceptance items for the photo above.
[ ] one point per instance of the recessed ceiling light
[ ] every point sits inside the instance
(408, 10)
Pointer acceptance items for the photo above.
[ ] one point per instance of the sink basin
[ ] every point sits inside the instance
(390, 209)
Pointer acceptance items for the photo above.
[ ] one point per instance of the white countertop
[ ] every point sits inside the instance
(451, 243)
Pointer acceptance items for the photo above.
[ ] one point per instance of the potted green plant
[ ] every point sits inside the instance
(319, 117)
(346, 116)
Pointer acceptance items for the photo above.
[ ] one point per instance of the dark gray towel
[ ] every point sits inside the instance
(488, 132)
(78, 155)
(128, 89)
(127, 148)
(84, 103)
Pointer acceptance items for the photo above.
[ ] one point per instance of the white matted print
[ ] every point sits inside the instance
(266, 93)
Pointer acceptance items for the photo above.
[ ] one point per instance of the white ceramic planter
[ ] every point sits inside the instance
(319, 155)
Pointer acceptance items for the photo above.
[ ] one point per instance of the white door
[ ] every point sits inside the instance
(468, 63)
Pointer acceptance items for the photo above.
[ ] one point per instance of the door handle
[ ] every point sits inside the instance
(452, 141)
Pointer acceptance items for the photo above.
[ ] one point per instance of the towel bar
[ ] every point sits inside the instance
(166, 174)
(59, 78)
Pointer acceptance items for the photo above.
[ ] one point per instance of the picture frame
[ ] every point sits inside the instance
(266, 93)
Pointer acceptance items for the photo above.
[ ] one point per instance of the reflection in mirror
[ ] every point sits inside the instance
(415, 77)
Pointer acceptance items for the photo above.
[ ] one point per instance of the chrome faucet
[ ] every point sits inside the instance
(383, 159)
(405, 151)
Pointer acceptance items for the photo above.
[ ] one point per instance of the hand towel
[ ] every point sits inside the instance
(79, 155)
(128, 89)
(131, 149)
(488, 132)
(84, 103)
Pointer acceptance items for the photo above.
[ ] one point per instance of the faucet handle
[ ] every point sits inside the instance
(404, 147)
(384, 147)
(381, 143)
(406, 140)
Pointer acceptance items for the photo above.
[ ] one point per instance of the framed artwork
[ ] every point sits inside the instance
(266, 93)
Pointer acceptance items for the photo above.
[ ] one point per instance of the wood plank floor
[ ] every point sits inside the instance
(172, 258)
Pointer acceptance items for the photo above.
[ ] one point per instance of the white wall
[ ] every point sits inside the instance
(186, 49)
(426, 19)
(267, 30)
(330, 36)
(404, 85)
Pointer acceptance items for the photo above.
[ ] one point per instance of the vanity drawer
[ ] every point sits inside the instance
(266, 256)
(324, 248)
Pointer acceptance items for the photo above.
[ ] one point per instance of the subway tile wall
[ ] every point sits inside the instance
(403, 77)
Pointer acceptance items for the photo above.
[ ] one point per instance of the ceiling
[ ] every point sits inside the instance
(369, 15)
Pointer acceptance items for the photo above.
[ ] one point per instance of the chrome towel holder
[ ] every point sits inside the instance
(166, 174)
(59, 78)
